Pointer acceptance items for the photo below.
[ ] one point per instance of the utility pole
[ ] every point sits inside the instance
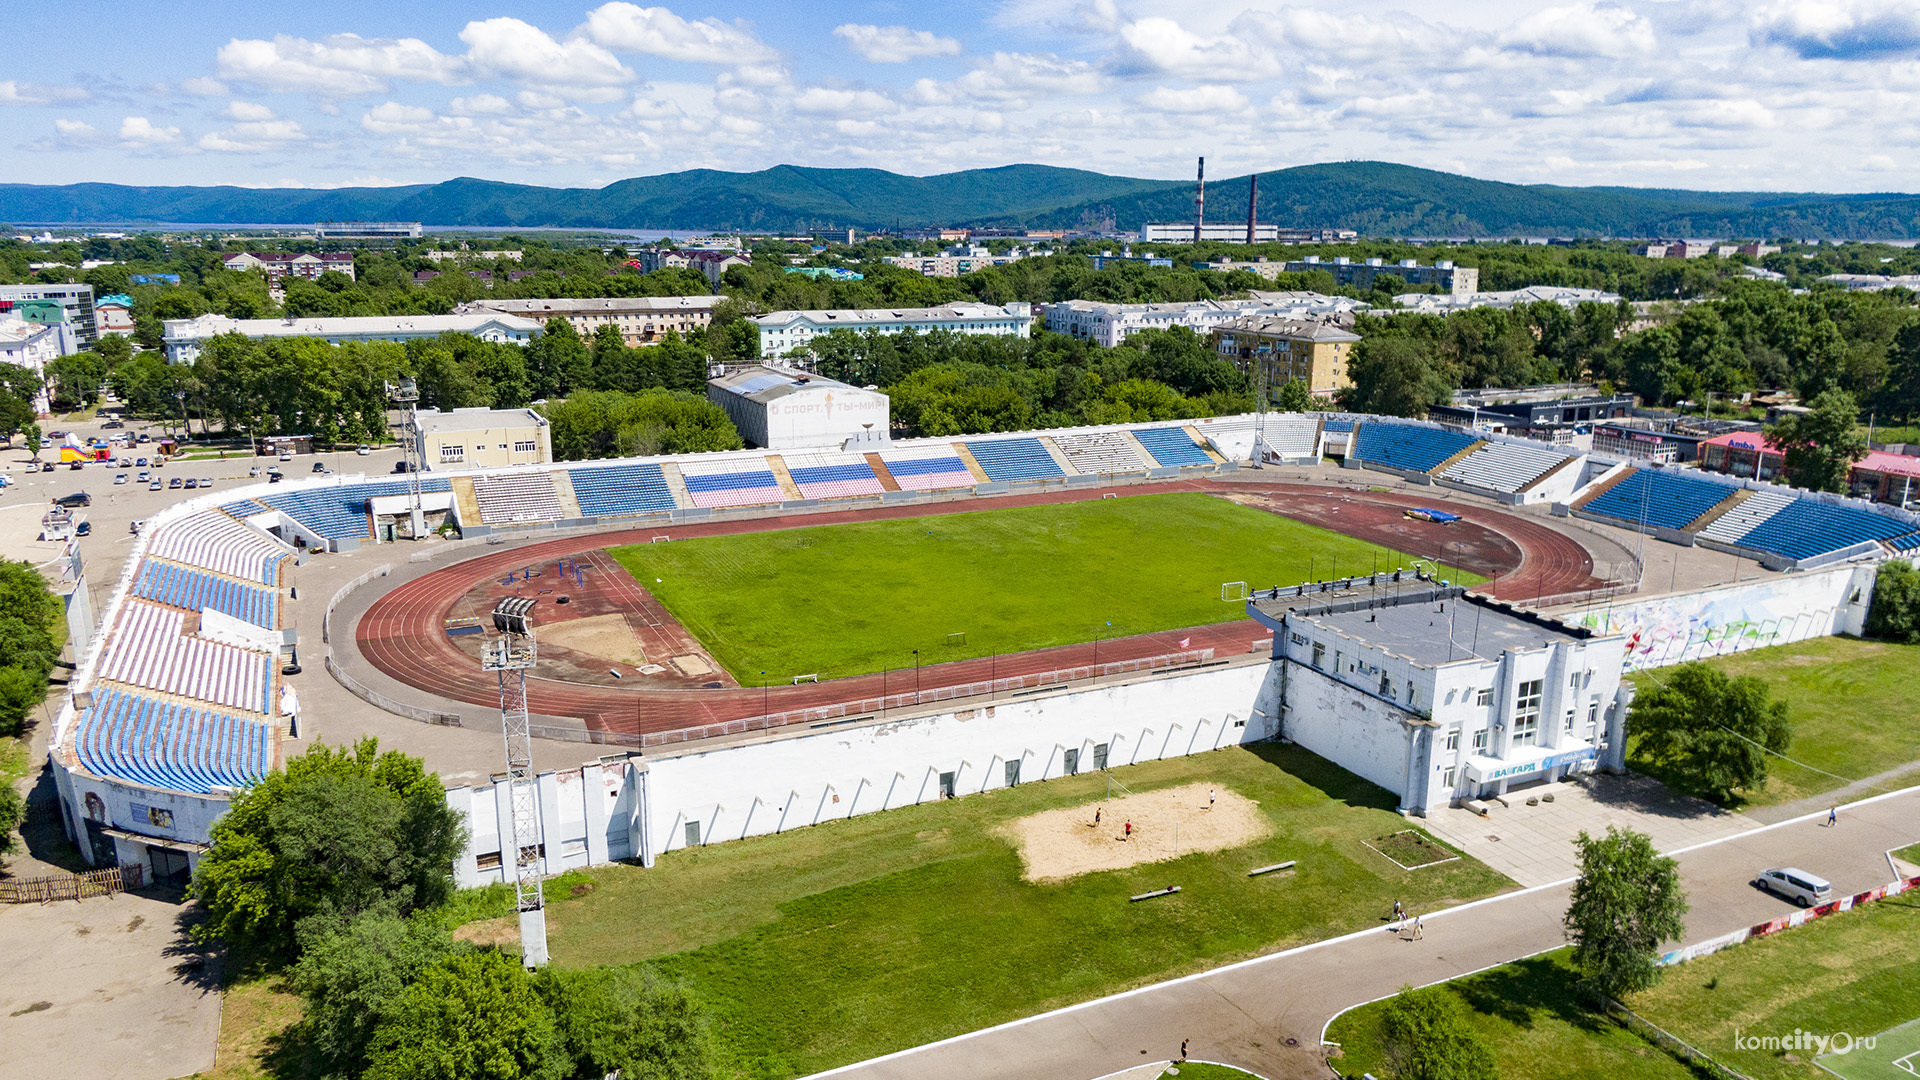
(407, 396)
(512, 655)
(1253, 205)
(1200, 202)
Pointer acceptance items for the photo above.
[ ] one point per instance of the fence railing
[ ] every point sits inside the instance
(381, 701)
(820, 714)
(43, 890)
(1685, 1051)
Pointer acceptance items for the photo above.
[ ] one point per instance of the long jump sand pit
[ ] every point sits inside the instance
(1167, 823)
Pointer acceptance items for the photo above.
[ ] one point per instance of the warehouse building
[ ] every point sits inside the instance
(778, 409)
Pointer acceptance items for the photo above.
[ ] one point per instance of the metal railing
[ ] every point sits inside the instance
(1682, 1050)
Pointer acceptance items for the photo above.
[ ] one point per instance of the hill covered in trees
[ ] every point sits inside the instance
(1375, 198)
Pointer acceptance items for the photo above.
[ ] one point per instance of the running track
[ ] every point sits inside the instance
(403, 633)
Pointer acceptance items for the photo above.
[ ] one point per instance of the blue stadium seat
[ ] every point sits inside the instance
(166, 745)
(181, 586)
(1015, 459)
(1171, 446)
(1909, 542)
(1809, 527)
(1406, 446)
(621, 490)
(340, 513)
(1671, 500)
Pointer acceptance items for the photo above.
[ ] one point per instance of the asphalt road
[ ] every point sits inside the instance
(1267, 1014)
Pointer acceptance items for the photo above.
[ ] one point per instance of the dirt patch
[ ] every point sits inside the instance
(607, 636)
(499, 932)
(692, 665)
(1167, 823)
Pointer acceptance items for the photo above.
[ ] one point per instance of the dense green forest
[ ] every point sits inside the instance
(1376, 198)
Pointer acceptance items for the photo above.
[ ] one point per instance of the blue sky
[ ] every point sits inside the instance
(1772, 95)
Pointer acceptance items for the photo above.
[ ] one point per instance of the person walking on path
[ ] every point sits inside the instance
(1209, 798)
(1129, 834)
(1398, 911)
(1183, 1049)
(1096, 817)
(1419, 928)
(1833, 816)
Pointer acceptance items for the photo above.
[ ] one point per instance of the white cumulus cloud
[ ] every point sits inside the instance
(341, 66)
(894, 44)
(1198, 99)
(21, 93)
(832, 102)
(1840, 29)
(139, 131)
(656, 31)
(517, 50)
(1583, 30)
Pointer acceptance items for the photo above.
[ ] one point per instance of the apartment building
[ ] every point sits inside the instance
(1280, 350)
(641, 320)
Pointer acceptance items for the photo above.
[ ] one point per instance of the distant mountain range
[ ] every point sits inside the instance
(1375, 198)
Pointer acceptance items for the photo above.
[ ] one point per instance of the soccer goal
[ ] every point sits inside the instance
(1113, 785)
(1233, 592)
(957, 638)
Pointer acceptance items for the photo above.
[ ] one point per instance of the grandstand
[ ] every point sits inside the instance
(1172, 446)
(344, 511)
(150, 648)
(1008, 460)
(1095, 452)
(621, 490)
(213, 541)
(1809, 527)
(1746, 515)
(731, 481)
(1663, 498)
(832, 475)
(927, 467)
(1508, 467)
(515, 498)
(185, 587)
(170, 746)
(1406, 447)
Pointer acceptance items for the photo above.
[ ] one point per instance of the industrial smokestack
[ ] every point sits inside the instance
(1253, 204)
(1200, 203)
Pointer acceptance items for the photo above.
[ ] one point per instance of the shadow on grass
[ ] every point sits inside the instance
(1650, 794)
(1324, 776)
(1520, 992)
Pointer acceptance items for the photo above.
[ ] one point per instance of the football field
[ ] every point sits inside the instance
(850, 599)
(1895, 1055)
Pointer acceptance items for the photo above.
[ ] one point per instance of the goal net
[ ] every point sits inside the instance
(1233, 591)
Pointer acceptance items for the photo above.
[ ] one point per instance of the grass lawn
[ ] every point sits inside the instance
(850, 599)
(1537, 1026)
(835, 943)
(1858, 973)
(1853, 706)
(253, 1017)
(1203, 1070)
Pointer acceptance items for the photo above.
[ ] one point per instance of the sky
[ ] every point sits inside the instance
(1795, 95)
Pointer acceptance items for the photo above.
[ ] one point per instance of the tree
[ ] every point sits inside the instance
(352, 980)
(1626, 902)
(1895, 614)
(29, 644)
(33, 441)
(1821, 445)
(1425, 1037)
(1394, 376)
(1296, 396)
(631, 1021)
(339, 832)
(13, 810)
(1713, 733)
(472, 1016)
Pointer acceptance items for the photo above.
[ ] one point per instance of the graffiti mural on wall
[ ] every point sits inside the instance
(1695, 626)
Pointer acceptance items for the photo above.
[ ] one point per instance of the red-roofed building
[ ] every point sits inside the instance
(1743, 453)
(280, 264)
(1887, 478)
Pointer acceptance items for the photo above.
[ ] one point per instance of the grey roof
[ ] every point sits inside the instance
(471, 419)
(766, 384)
(1291, 329)
(591, 305)
(1418, 629)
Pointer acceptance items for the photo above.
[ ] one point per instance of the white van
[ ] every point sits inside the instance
(1790, 883)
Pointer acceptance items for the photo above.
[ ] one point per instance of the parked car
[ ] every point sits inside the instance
(46, 466)
(399, 466)
(286, 455)
(206, 481)
(78, 498)
(174, 482)
(273, 478)
(192, 482)
(113, 424)
(56, 434)
(143, 477)
(363, 450)
(120, 478)
(320, 467)
(142, 462)
(1792, 883)
(155, 484)
(84, 528)
(143, 437)
(75, 466)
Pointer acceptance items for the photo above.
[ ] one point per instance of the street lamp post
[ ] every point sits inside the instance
(916, 676)
(764, 691)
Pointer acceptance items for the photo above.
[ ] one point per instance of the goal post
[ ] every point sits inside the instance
(1233, 592)
(957, 638)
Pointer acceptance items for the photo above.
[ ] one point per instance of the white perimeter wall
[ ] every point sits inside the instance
(1736, 618)
(640, 807)
(1355, 730)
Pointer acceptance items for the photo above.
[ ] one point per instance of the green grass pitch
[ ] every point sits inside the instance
(839, 600)
(1895, 1056)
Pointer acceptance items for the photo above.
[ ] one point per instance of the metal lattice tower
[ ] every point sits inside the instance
(511, 655)
(407, 395)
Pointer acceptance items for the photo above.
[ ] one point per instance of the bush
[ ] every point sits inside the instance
(1425, 1037)
(1895, 614)
(621, 1019)
(1714, 733)
(351, 981)
(13, 810)
(472, 1016)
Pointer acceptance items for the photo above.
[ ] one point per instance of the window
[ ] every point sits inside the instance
(1568, 726)
(488, 860)
(453, 452)
(1386, 685)
(1013, 773)
(1526, 713)
(1319, 654)
(1453, 740)
(1447, 778)
(525, 446)
(1484, 698)
(1480, 740)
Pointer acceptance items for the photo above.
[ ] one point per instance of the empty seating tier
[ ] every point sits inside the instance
(344, 512)
(511, 498)
(928, 467)
(621, 489)
(1909, 542)
(1100, 452)
(731, 483)
(149, 648)
(1172, 446)
(186, 587)
(1007, 460)
(1408, 447)
(1292, 435)
(1502, 466)
(1729, 527)
(832, 476)
(1809, 527)
(213, 541)
(1671, 500)
(243, 509)
(171, 746)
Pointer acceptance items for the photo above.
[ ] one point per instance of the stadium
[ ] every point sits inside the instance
(745, 642)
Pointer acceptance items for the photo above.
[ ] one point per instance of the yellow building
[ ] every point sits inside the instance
(483, 438)
(1315, 352)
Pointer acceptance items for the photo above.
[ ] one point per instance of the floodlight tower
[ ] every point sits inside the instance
(407, 396)
(512, 655)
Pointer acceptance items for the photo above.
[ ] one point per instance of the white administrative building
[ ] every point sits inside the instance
(785, 332)
(641, 320)
(184, 338)
(785, 410)
(1110, 324)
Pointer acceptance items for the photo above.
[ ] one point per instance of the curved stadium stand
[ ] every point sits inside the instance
(511, 498)
(1668, 499)
(1504, 466)
(191, 589)
(1098, 452)
(1006, 460)
(343, 511)
(1408, 447)
(171, 746)
(1172, 446)
(927, 467)
(621, 490)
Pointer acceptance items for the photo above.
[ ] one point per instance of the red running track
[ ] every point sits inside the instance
(403, 633)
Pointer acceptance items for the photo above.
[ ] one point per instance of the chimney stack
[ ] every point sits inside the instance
(1200, 202)
(1253, 204)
